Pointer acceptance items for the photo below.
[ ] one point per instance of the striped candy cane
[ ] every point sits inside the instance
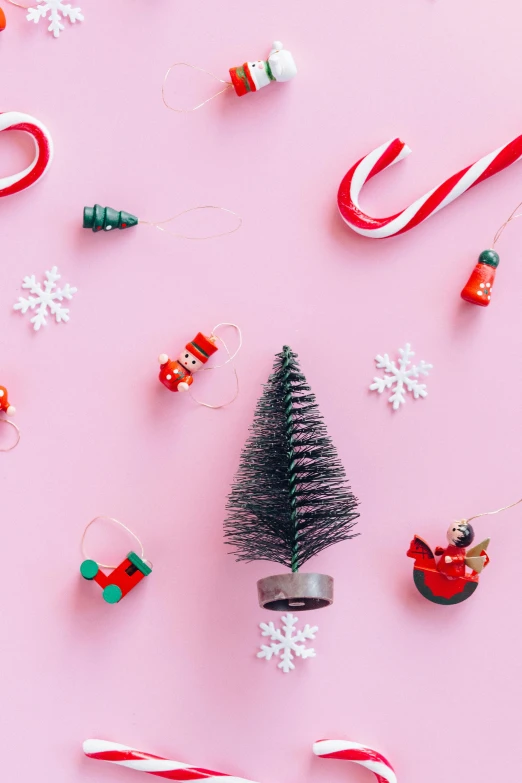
(153, 765)
(394, 151)
(15, 120)
(360, 754)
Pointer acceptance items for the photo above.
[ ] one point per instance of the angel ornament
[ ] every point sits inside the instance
(454, 577)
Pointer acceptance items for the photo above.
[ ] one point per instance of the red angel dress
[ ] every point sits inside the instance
(457, 567)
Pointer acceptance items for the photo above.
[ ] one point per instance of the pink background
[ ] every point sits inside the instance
(173, 669)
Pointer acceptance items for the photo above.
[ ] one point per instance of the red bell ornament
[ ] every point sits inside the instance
(480, 285)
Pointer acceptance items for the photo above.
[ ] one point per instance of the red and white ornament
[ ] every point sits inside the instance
(14, 120)
(360, 754)
(9, 410)
(5, 405)
(177, 374)
(394, 151)
(252, 76)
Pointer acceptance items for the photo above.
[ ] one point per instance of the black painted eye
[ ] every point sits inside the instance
(193, 361)
(186, 356)
(454, 529)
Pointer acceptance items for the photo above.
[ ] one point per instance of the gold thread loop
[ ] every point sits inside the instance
(116, 522)
(18, 434)
(227, 84)
(160, 223)
(489, 513)
(19, 5)
(231, 357)
(513, 216)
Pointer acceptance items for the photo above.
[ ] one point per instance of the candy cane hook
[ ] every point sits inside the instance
(177, 770)
(153, 765)
(425, 206)
(360, 754)
(15, 120)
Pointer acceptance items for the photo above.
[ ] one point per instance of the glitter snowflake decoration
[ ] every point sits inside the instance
(47, 299)
(57, 11)
(402, 378)
(287, 643)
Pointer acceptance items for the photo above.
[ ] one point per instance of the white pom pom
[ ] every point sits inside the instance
(163, 358)
(11, 410)
(183, 386)
(277, 46)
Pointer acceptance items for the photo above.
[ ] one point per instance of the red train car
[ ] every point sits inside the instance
(121, 580)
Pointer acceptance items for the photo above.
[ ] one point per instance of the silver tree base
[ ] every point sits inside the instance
(295, 592)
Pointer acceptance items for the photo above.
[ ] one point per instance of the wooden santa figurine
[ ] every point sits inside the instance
(5, 407)
(177, 374)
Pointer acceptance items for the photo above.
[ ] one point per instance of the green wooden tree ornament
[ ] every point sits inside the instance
(290, 499)
(105, 218)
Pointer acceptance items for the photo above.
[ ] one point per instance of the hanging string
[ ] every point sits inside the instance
(19, 5)
(227, 84)
(159, 224)
(513, 216)
(18, 434)
(116, 522)
(489, 513)
(231, 357)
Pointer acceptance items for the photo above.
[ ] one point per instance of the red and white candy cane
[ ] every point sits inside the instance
(360, 754)
(425, 206)
(153, 765)
(15, 120)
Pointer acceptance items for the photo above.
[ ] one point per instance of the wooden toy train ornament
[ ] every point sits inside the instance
(447, 581)
(121, 581)
(177, 374)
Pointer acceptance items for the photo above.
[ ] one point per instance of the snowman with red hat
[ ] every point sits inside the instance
(177, 374)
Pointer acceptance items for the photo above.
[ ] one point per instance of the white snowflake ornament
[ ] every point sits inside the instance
(402, 378)
(47, 299)
(57, 11)
(287, 643)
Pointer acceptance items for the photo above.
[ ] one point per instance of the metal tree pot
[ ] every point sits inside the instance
(295, 592)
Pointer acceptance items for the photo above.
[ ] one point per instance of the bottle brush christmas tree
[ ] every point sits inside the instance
(290, 499)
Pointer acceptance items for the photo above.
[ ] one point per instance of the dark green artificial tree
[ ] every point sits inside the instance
(290, 499)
